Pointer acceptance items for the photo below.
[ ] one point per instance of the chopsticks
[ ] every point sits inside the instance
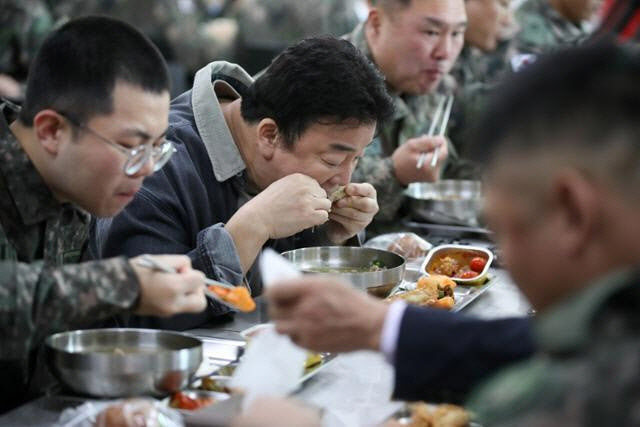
(448, 100)
(149, 262)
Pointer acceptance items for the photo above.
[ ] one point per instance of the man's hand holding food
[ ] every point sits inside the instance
(352, 213)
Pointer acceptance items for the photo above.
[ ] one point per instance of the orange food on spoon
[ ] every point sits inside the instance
(238, 297)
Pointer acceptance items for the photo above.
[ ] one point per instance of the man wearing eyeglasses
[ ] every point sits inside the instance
(91, 129)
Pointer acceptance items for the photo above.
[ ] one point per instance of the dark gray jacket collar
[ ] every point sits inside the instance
(215, 134)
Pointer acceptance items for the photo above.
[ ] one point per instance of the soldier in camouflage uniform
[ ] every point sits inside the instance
(180, 29)
(57, 170)
(484, 60)
(23, 26)
(546, 25)
(393, 37)
(266, 27)
(564, 203)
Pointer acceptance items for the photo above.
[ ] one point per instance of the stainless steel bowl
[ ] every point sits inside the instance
(448, 201)
(378, 283)
(123, 362)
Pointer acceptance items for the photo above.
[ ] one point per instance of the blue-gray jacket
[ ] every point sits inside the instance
(182, 208)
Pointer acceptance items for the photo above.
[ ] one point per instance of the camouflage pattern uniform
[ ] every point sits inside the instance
(542, 28)
(179, 31)
(24, 24)
(266, 27)
(41, 290)
(475, 66)
(283, 22)
(412, 117)
(476, 73)
(587, 372)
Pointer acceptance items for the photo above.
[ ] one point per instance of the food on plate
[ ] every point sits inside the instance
(218, 384)
(477, 264)
(431, 291)
(409, 246)
(239, 297)
(227, 370)
(180, 400)
(467, 275)
(337, 194)
(458, 264)
(312, 360)
(445, 303)
(129, 413)
(443, 284)
(444, 415)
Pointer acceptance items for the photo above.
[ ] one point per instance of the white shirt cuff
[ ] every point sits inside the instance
(391, 330)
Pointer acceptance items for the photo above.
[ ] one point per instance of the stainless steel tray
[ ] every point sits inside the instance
(219, 353)
(463, 295)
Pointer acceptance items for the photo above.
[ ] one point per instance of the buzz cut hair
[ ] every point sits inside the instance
(77, 67)
(391, 5)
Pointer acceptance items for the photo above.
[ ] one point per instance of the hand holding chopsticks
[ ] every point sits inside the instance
(236, 297)
(443, 111)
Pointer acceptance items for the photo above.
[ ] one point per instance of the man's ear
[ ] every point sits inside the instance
(374, 20)
(51, 129)
(268, 134)
(577, 200)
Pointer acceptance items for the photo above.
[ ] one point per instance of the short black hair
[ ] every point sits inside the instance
(584, 100)
(76, 68)
(315, 80)
(391, 4)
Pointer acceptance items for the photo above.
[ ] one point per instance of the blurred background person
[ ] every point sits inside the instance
(189, 33)
(24, 24)
(563, 179)
(562, 189)
(551, 24)
(267, 27)
(484, 60)
(490, 25)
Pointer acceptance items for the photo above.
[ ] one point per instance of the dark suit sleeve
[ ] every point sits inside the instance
(441, 355)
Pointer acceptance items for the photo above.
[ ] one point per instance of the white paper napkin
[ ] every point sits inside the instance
(275, 267)
(272, 364)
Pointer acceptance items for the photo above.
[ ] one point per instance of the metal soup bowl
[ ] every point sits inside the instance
(323, 259)
(448, 201)
(123, 362)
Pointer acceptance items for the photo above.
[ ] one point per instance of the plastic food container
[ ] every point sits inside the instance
(438, 261)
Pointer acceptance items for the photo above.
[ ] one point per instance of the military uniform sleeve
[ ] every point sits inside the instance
(38, 299)
(534, 36)
(378, 171)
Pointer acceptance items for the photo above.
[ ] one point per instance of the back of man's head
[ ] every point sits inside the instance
(320, 79)
(77, 67)
(390, 5)
(579, 108)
